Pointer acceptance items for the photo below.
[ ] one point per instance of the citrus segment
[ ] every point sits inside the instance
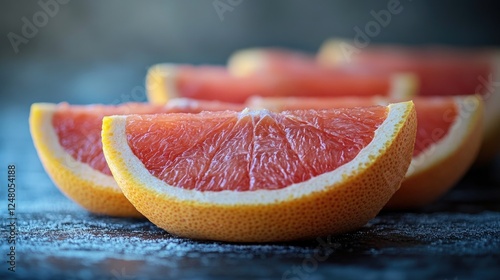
(217, 83)
(336, 201)
(297, 65)
(440, 71)
(68, 142)
(448, 149)
(446, 125)
(434, 118)
(78, 129)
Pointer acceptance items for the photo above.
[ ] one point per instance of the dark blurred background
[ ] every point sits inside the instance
(99, 51)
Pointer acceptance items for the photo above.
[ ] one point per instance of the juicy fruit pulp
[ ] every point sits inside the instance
(444, 126)
(434, 115)
(68, 141)
(250, 150)
(217, 84)
(333, 202)
(434, 119)
(79, 129)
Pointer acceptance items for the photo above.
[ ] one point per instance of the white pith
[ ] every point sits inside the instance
(78, 168)
(382, 139)
(449, 144)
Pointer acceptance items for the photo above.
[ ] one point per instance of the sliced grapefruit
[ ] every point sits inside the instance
(68, 142)
(440, 71)
(258, 176)
(293, 64)
(449, 137)
(166, 81)
(247, 62)
(449, 134)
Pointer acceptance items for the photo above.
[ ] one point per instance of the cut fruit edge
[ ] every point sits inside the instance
(160, 83)
(443, 164)
(64, 169)
(129, 170)
(469, 119)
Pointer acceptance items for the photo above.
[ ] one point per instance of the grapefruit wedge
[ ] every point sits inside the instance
(68, 141)
(258, 176)
(449, 134)
(440, 71)
(167, 81)
(248, 62)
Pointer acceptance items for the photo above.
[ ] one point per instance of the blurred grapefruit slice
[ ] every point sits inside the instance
(283, 62)
(449, 134)
(166, 81)
(449, 137)
(258, 176)
(440, 71)
(248, 62)
(68, 141)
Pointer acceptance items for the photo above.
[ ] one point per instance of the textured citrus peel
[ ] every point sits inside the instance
(93, 190)
(319, 206)
(44, 135)
(114, 131)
